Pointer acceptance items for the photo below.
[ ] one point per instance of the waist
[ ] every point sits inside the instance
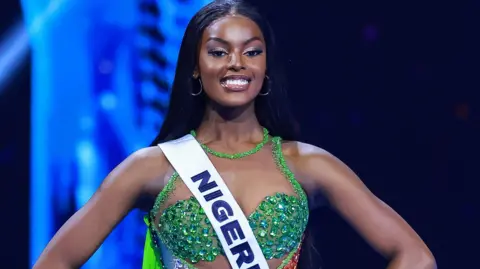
(290, 261)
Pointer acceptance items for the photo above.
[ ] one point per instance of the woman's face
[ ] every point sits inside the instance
(232, 61)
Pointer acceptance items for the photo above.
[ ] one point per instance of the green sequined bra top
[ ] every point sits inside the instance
(278, 222)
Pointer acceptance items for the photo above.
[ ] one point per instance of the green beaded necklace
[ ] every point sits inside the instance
(257, 148)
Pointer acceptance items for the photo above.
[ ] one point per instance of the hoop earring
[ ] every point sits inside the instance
(201, 89)
(269, 88)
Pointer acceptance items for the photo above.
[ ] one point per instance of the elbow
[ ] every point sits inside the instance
(426, 262)
(429, 262)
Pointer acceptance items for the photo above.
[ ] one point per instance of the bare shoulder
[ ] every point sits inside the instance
(313, 165)
(298, 150)
(144, 168)
(149, 157)
(304, 149)
(303, 153)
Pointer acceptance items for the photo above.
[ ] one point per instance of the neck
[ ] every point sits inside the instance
(237, 124)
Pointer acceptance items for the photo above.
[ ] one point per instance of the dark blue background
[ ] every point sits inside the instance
(389, 88)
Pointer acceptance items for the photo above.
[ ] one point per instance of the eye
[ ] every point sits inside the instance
(217, 53)
(253, 53)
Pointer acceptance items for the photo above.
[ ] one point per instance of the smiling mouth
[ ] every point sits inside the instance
(235, 83)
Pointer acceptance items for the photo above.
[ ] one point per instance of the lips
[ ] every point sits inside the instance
(236, 83)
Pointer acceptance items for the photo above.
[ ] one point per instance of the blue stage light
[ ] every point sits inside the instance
(89, 108)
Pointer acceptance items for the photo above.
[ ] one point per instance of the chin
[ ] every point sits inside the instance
(232, 102)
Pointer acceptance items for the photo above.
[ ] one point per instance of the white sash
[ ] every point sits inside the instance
(197, 171)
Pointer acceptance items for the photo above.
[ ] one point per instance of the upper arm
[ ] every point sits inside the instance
(379, 224)
(84, 232)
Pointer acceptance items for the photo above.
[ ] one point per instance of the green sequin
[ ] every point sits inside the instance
(278, 222)
(257, 148)
(276, 237)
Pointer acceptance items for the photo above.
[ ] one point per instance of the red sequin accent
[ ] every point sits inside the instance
(292, 264)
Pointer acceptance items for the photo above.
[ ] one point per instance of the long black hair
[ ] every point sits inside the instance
(185, 111)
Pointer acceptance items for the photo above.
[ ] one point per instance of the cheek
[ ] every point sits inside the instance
(209, 72)
(209, 66)
(260, 70)
(259, 66)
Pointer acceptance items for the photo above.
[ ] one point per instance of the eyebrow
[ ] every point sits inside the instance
(226, 43)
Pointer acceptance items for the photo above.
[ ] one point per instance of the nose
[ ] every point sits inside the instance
(236, 62)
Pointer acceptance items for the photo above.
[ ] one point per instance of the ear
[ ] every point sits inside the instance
(196, 74)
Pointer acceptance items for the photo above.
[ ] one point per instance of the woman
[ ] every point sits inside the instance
(228, 92)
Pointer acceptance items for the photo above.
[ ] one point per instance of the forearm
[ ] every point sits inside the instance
(50, 263)
(57, 258)
(413, 259)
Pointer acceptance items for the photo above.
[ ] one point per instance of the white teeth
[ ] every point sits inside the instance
(236, 82)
